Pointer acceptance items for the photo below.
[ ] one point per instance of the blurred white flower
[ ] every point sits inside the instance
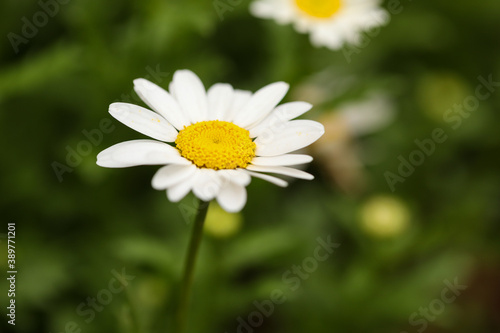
(367, 116)
(330, 23)
(337, 151)
(220, 138)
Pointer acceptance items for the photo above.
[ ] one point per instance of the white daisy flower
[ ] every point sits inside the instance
(212, 142)
(331, 23)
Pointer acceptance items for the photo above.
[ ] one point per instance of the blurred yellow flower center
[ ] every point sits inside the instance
(216, 145)
(319, 8)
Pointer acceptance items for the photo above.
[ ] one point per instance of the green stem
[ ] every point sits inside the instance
(187, 279)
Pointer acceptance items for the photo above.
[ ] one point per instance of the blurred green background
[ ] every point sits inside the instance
(398, 250)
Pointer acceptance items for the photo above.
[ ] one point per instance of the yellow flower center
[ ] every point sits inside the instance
(319, 8)
(216, 145)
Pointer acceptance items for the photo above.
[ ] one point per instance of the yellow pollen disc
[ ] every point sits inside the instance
(216, 145)
(319, 8)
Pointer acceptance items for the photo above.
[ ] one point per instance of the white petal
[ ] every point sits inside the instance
(282, 160)
(172, 174)
(220, 98)
(178, 191)
(237, 176)
(190, 94)
(240, 98)
(271, 179)
(261, 104)
(367, 116)
(139, 152)
(282, 171)
(232, 197)
(262, 9)
(161, 101)
(207, 185)
(294, 135)
(171, 89)
(281, 11)
(143, 121)
(280, 116)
